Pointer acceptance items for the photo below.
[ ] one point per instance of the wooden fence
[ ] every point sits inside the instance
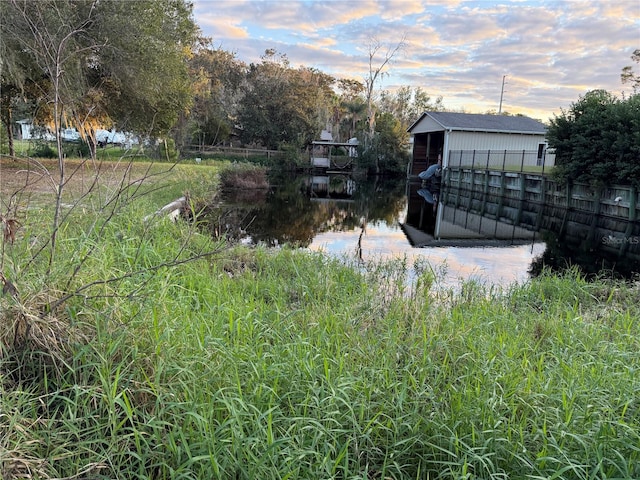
(233, 151)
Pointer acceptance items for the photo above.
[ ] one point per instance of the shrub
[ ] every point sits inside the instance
(79, 149)
(597, 140)
(244, 176)
(165, 150)
(42, 149)
(291, 157)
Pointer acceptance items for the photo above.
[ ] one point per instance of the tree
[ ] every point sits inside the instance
(141, 67)
(8, 95)
(390, 144)
(52, 34)
(107, 61)
(598, 140)
(261, 114)
(283, 105)
(407, 104)
(20, 77)
(354, 111)
(218, 79)
(628, 76)
(66, 50)
(348, 107)
(103, 59)
(376, 72)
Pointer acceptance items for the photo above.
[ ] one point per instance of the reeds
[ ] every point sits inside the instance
(259, 364)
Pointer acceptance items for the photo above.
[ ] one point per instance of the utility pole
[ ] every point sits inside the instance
(501, 95)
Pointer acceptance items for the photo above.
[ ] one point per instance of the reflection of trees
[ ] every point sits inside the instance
(383, 198)
(561, 255)
(287, 214)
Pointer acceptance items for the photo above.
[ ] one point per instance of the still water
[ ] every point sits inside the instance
(376, 219)
(492, 264)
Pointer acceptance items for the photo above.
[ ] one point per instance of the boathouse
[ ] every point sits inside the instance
(477, 140)
(327, 154)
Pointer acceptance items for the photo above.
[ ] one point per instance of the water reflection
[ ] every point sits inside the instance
(435, 217)
(379, 219)
(600, 244)
(362, 220)
(562, 253)
(295, 210)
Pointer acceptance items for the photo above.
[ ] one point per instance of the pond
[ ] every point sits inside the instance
(367, 220)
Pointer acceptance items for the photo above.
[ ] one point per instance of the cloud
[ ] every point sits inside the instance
(394, 10)
(552, 52)
(218, 27)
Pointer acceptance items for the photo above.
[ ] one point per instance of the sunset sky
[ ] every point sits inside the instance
(551, 52)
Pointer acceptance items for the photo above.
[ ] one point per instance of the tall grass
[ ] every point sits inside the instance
(283, 364)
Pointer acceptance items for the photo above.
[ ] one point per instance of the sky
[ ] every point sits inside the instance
(538, 56)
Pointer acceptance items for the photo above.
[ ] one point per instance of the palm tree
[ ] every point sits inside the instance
(355, 108)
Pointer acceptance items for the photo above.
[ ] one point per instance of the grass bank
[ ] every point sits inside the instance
(254, 363)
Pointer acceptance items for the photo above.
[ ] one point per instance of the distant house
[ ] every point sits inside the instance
(27, 131)
(70, 134)
(104, 137)
(466, 139)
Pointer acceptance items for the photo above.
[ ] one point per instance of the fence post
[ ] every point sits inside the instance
(565, 218)
(472, 176)
(633, 215)
(457, 200)
(597, 206)
(503, 188)
(541, 205)
(485, 192)
(523, 189)
(522, 162)
(504, 159)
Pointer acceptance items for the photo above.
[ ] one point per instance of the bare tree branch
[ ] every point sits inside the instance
(377, 71)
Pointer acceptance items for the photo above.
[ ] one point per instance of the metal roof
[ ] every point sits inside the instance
(484, 123)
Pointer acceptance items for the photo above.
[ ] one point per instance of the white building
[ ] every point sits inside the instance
(30, 132)
(482, 141)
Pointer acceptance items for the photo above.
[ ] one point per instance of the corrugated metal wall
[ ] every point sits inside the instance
(493, 141)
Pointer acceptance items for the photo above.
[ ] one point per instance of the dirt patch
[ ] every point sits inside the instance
(28, 177)
(18, 175)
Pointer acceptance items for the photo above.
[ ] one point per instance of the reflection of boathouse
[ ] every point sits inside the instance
(487, 206)
(437, 220)
(331, 187)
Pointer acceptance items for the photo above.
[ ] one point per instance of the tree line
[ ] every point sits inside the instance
(144, 67)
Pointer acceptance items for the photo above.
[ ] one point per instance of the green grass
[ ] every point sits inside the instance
(275, 364)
